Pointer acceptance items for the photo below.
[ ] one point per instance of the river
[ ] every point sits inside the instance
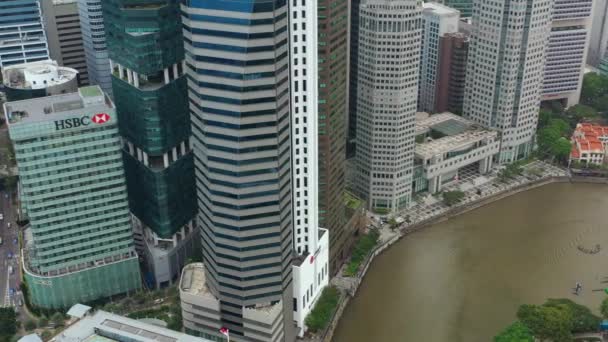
(462, 280)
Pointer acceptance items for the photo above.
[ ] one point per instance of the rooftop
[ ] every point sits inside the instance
(439, 9)
(44, 108)
(37, 75)
(193, 279)
(588, 138)
(102, 326)
(446, 121)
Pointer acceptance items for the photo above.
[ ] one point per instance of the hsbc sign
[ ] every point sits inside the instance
(99, 118)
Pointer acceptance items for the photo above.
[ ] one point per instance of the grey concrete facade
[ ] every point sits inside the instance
(237, 60)
(389, 59)
(62, 25)
(505, 70)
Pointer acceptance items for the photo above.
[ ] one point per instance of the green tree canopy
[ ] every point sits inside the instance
(452, 197)
(516, 332)
(584, 320)
(604, 308)
(594, 87)
(8, 323)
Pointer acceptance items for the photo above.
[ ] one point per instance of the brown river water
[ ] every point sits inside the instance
(462, 280)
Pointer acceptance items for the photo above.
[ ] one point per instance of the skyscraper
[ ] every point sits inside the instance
(94, 41)
(353, 66)
(310, 270)
(22, 37)
(146, 52)
(333, 70)
(598, 43)
(389, 61)
(62, 25)
(506, 68)
(79, 246)
(454, 53)
(567, 51)
(437, 21)
(237, 61)
(464, 6)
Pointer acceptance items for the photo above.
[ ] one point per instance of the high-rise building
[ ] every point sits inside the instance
(79, 246)
(94, 41)
(237, 62)
(389, 62)
(437, 21)
(333, 57)
(505, 70)
(464, 6)
(451, 78)
(310, 269)
(567, 50)
(146, 51)
(351, 145)
(598, 43)
(38, 79)
(62, 25)
(22, 37)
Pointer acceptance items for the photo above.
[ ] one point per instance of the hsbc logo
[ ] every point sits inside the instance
(99, 118)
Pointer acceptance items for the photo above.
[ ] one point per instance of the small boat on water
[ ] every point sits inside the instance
(585, 250)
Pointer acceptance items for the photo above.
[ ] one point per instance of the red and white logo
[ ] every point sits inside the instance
(100, 118)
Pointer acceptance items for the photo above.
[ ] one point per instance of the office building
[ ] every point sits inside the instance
(450, 147)
(62, 25)
(465, 7)
(333, 58)
(454, 54)
(22, 37)
(96, 325)
(310, 269)
(567, 51)
(505, 81)
(150, 93)
(38, 79)
(237, 62)
(389, 62)
(598, 43)
(437, 21)
(94, 41)
(79, 246)
(353, 65)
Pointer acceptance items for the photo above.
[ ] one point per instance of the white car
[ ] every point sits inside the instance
(1, 217)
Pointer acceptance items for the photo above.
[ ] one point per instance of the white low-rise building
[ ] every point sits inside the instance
(447, 143)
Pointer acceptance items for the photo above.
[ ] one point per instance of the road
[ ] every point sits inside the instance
(8, 247)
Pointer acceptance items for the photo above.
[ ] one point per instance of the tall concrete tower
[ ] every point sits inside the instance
(505, 70)
(237, 62)
(389, 60)
(567, 50)
(94, 41)
(22, 36)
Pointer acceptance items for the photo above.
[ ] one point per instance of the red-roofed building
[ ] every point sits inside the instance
(589, 144)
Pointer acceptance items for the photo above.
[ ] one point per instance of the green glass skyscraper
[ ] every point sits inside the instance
(146, 51)
(464, 6)
(79, 246)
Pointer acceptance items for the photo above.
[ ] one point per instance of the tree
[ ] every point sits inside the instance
(58, 319)
(452, 197)
(583, 319)
(580, 112)
(594, 87)
(604, 308)
(8, 323)
(516, 332)
(30, 325)
(543, 118)
(393, 223)
(553, 322)
(43, 322)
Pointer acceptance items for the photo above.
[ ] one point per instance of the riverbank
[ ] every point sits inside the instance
(350, 285)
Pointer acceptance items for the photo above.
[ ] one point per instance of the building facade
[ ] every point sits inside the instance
(62, 25)
(333, 58)
(567, 50)
(505, 80)
(437, 22)
(589, 145)
(146, 54)
(465, 7)
(310, 242)
(22, 36)
(79, 246)
(454, 54)
(353, 67)
(38, 79)
(389, 62)
(237, 62)
(598, 43)
(94, 41)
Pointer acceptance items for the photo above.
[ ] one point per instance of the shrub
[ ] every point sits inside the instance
(365, 244)
(322, 312)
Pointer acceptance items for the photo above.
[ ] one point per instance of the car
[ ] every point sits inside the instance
(20, 303)
(1, 241)
(1, 216)
(9, 255)
(11, 270)
(8, 225)
(15, 241)
(11, 291)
